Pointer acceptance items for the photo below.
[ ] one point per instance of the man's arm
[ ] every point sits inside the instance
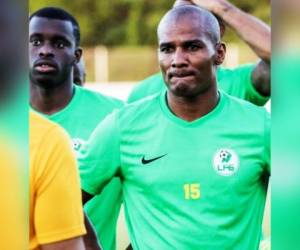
(261, 79)
(90, 239)
(71, 244)
(86, 197)
(253, 31)
(98, 163)
(58, 216)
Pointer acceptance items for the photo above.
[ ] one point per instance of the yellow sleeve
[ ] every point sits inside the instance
(58, 213)
(13, 212)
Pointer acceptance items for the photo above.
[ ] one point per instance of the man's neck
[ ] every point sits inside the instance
(191, 109)
(50, 101)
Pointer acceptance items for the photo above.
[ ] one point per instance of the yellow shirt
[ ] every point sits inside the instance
(13, 208)
(55, 198)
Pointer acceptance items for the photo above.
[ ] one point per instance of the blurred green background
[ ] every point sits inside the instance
(130, 22)
(127, 30)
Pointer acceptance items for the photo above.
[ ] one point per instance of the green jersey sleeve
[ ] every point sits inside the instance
(238, 82)
(252, 95)
(99, 158)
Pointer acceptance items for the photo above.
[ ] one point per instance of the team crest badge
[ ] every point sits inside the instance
(77, 144)
(226, 162)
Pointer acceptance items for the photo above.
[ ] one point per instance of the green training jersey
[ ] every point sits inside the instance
(186, 185)
(79, 118)
(236, 82)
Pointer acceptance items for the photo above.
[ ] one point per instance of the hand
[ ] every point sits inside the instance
(181, 2)
(211, 5)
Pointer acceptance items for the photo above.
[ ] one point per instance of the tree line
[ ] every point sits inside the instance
(130, 22)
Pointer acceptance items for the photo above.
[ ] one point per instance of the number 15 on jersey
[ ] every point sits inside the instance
(191, 191)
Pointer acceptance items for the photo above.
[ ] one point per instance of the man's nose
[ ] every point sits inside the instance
(179, 58)
(46, 51)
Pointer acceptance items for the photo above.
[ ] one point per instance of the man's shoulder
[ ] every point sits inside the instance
(39, 125)
(95, 97)
(244, 108)
(145, 106)
(149, 86)
(226, 73)
(239, 68)
(45, 132)
(153, 78)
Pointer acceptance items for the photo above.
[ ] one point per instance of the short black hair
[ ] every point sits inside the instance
(209, 21)
(60, 14)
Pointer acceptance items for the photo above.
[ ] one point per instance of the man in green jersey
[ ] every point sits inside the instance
(250, 82)
(54, 50)
(194, 161)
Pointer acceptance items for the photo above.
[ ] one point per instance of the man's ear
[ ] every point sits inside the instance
(220, 53)
(78, 55)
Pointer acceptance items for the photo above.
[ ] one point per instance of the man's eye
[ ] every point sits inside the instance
(36, 42)
(166, 50)
(193, 47)
(60, 45)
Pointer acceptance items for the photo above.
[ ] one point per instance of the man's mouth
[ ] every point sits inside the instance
(181, 75)
(45, 67)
